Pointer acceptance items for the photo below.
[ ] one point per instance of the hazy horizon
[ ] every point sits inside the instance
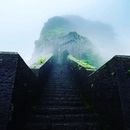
(21, 21)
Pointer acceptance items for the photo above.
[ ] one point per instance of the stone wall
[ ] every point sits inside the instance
(17, 91)
(109, 90)
(79, 73)
(45, 71)
(8, 65)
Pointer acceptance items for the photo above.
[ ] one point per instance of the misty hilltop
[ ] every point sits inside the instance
(75, 34)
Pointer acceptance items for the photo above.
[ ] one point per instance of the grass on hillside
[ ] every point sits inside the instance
(82, 63)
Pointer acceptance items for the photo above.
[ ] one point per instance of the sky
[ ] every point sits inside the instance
(22, 20)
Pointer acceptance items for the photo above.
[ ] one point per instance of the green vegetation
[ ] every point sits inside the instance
(82, 63)
(41, 60)
(38, 63)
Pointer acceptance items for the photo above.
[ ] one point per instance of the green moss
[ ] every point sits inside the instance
(81, 63)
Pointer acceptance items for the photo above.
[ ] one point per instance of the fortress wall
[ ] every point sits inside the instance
(17, 91)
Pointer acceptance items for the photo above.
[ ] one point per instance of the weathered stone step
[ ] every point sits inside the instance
(62, 103)
(53, 83)
(60, 86)
(61, 107)
(65, 126)
(49, 90)
(67, 98)
(66, 118)
(61, 94)
(56, 100)
(61, 89)
(58, 110)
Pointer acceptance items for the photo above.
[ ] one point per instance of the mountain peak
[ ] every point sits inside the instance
(68, 33)
(74, 35)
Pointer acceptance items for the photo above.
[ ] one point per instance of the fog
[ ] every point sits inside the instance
(21, 22)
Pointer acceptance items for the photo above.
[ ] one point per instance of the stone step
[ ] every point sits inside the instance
(61, 107)
(61, 89)
(62, 103)
(60, 85)
(60, 118)
(60, 95)
(61, 98)
(65, 126)
(59, 110)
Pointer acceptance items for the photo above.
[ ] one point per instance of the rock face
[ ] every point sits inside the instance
(61, 33)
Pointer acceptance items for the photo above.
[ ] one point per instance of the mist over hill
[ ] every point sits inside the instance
(82, 38)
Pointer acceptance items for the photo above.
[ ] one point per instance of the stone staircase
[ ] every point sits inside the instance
(61, 107)
(53, 101)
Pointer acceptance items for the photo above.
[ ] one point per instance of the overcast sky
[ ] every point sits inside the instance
(22, 20)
